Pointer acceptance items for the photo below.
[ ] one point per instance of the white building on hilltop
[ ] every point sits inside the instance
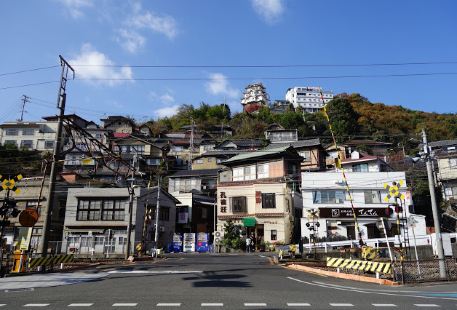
(255, 97)
(309, 98)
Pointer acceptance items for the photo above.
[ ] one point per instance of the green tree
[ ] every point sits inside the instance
(343, 118)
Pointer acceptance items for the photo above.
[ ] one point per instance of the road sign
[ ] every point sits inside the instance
(10, 184)
(393, 190)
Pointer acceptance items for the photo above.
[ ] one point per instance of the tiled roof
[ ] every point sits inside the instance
(442, 143)
(257, 154)
(296, 144)
(191, 173)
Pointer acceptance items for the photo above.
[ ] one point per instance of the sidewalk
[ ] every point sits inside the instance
(48, 280)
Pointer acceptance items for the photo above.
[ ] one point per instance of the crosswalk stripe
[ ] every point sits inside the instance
(426, 305)
(384, 305)
(80, 305)
(255, 304)
(169, 304)
(36, 305)
(341, 305)
(212, 304)
(298, 304)
(124, 304)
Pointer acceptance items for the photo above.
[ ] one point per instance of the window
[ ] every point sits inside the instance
(104, 210)
(164, 213)
(122, 240)
(11, 132)
(274, 235)
(238, 204)
(453, 162)
(268, 200)
(28, 131)
(199, 161)
(27, 144)
(10, 142)
(360, 168)
(374, 196)
(335, 197)
(99, 240)
(153, 161)
(48, 144)
(263, 171)
(306, 155)
(238, 174)
(249, 173)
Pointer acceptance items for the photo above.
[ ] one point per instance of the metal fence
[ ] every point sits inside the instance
(423, 271)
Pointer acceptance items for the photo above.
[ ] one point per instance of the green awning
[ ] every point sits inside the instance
(249, 221)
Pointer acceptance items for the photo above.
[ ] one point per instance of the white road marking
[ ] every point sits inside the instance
(298, 304)
(125, 304)
(156, 271)
(212, 304)
(426, 305)
(384, 305)
(36, 305)
(255, 304)
(80, 305)
(169, 304)
(2, 305)
(341, 305)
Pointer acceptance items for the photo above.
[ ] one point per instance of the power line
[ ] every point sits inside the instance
(26, 85)
(28, 70)
(274, 66)
(182, 79)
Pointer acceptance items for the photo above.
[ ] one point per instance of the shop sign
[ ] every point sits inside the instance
(347, 212)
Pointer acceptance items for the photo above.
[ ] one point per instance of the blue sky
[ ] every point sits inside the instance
(225, 32)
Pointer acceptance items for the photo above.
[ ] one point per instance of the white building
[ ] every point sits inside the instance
(309, 98)
(326, 193)
(39, 135)
(255, 96)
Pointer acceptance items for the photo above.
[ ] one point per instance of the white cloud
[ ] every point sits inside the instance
(160, 23)
(75, 7)
(96, 65)
(130, 40)
(269, 10)
(167, 111)
(167, 98)
(219, 85)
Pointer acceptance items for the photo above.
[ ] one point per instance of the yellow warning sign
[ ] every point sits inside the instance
(393, 190)
(10, 184)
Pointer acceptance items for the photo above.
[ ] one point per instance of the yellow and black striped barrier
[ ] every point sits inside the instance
(361, 265)
(50, 260)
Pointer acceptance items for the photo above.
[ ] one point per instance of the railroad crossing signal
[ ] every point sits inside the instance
(10, 184)
(393, 191)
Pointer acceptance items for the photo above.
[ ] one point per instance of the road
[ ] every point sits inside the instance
(196, 281)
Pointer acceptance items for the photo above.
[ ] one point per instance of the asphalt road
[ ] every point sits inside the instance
(221, 281)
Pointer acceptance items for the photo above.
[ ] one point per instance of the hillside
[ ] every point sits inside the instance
(374, 120)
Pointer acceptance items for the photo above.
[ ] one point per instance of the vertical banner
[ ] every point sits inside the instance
(202, 242)
(25, 235)
(189, 242)
(177, 242)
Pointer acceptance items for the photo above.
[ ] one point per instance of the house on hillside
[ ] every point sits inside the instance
(241, 144)
(118, 125)
(259, 191)
(214, 159)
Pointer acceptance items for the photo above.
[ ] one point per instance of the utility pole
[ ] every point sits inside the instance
(156, 233)
(131, 196)
(191, 146)
(47, 211)
(25, 99)
(436, 219)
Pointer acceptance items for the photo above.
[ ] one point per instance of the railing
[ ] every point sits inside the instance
(424, 271)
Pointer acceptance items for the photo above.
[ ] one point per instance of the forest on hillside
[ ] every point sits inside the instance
(351, 116)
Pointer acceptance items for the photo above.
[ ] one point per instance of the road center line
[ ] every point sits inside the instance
(124, 304)
(212, 304)
(156, 271)
(2, 305)
(169, 304)
(341, 305)
(426, 305)
(298, 304)
(255, 304)
(80, 305)
(36, 305)
(384, 305)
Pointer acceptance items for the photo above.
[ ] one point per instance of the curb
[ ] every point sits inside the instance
(342, 275)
